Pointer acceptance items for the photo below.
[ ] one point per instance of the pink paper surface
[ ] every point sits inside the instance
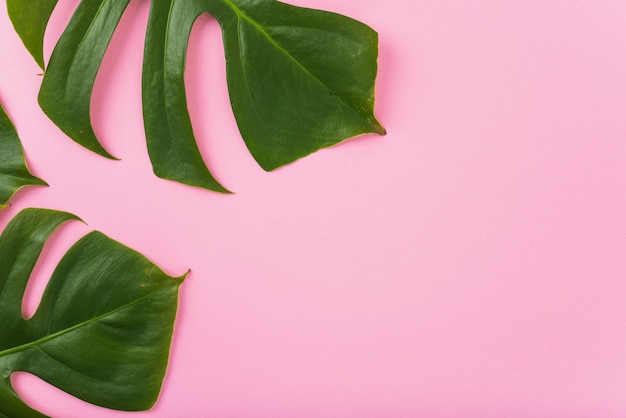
(472, 263)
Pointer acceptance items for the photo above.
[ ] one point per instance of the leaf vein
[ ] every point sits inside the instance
(88, 322)
(261, 29)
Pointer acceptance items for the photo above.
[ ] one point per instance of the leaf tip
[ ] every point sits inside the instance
(182, 278)
(216, 187)
(39, 182)
(72, 217)
(112, 157)
(378, 128)
(99, 149)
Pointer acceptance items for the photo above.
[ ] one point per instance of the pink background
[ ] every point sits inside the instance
(470, 263)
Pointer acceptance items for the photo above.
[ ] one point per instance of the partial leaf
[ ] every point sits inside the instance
(65, 93)
(103, 329)
(171, 143)
(299, 79)
(30, 19)
(14, 173)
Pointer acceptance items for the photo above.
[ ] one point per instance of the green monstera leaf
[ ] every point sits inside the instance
(103, 329)
(14, 173)
(299, 79)
(30, 19)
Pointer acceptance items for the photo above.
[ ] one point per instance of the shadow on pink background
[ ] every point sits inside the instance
(470, 263)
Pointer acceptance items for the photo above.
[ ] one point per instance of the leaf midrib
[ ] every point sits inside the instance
(25, 175)
(241, 14)
(40, 341)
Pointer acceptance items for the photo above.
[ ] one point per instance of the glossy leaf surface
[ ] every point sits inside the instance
(299, 79)
(14, 173)
(103, 328)
(30, 19)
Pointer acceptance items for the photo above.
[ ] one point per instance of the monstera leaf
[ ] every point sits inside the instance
(299, 79)
(103, 328)
(14, 173)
